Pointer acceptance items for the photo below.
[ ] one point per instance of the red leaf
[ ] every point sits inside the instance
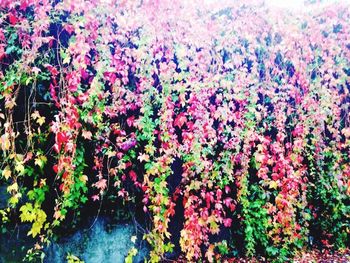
(52, 70)
(13, 19)
(180, 120)
(209, 198)
(53, 92)
(232, 207)
(218, 194)
(61, 137)
(65, 175)
(133, 175)
(69, 28)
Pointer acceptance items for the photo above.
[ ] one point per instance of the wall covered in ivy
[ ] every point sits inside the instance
(223, 127)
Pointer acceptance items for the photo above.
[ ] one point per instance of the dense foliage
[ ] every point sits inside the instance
(229, 121)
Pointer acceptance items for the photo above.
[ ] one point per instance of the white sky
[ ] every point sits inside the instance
(296, 4)
(286, 3)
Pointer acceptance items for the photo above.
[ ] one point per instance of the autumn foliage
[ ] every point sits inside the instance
(231, 118)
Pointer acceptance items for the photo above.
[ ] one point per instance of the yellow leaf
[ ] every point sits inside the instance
(35, 115)
(84, 178)
(273, 185)
(28, 80)
(40, 161)
(12, 188)
(26, 212)
(150, 149)
(33, 214)
(6, 172)
(5, 142)
(9, 104)
(42, 182)
(214, 228)
(66, 60)
(111, 154)
(41, 120)
(35, 230)
(19, 157)
(19, 168)
(14, 200)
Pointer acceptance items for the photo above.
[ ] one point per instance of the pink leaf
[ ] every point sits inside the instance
(130, 121)
(95, 197)
(227, 222)
(101, 184)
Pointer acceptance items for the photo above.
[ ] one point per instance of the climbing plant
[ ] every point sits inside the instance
(226, 117)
